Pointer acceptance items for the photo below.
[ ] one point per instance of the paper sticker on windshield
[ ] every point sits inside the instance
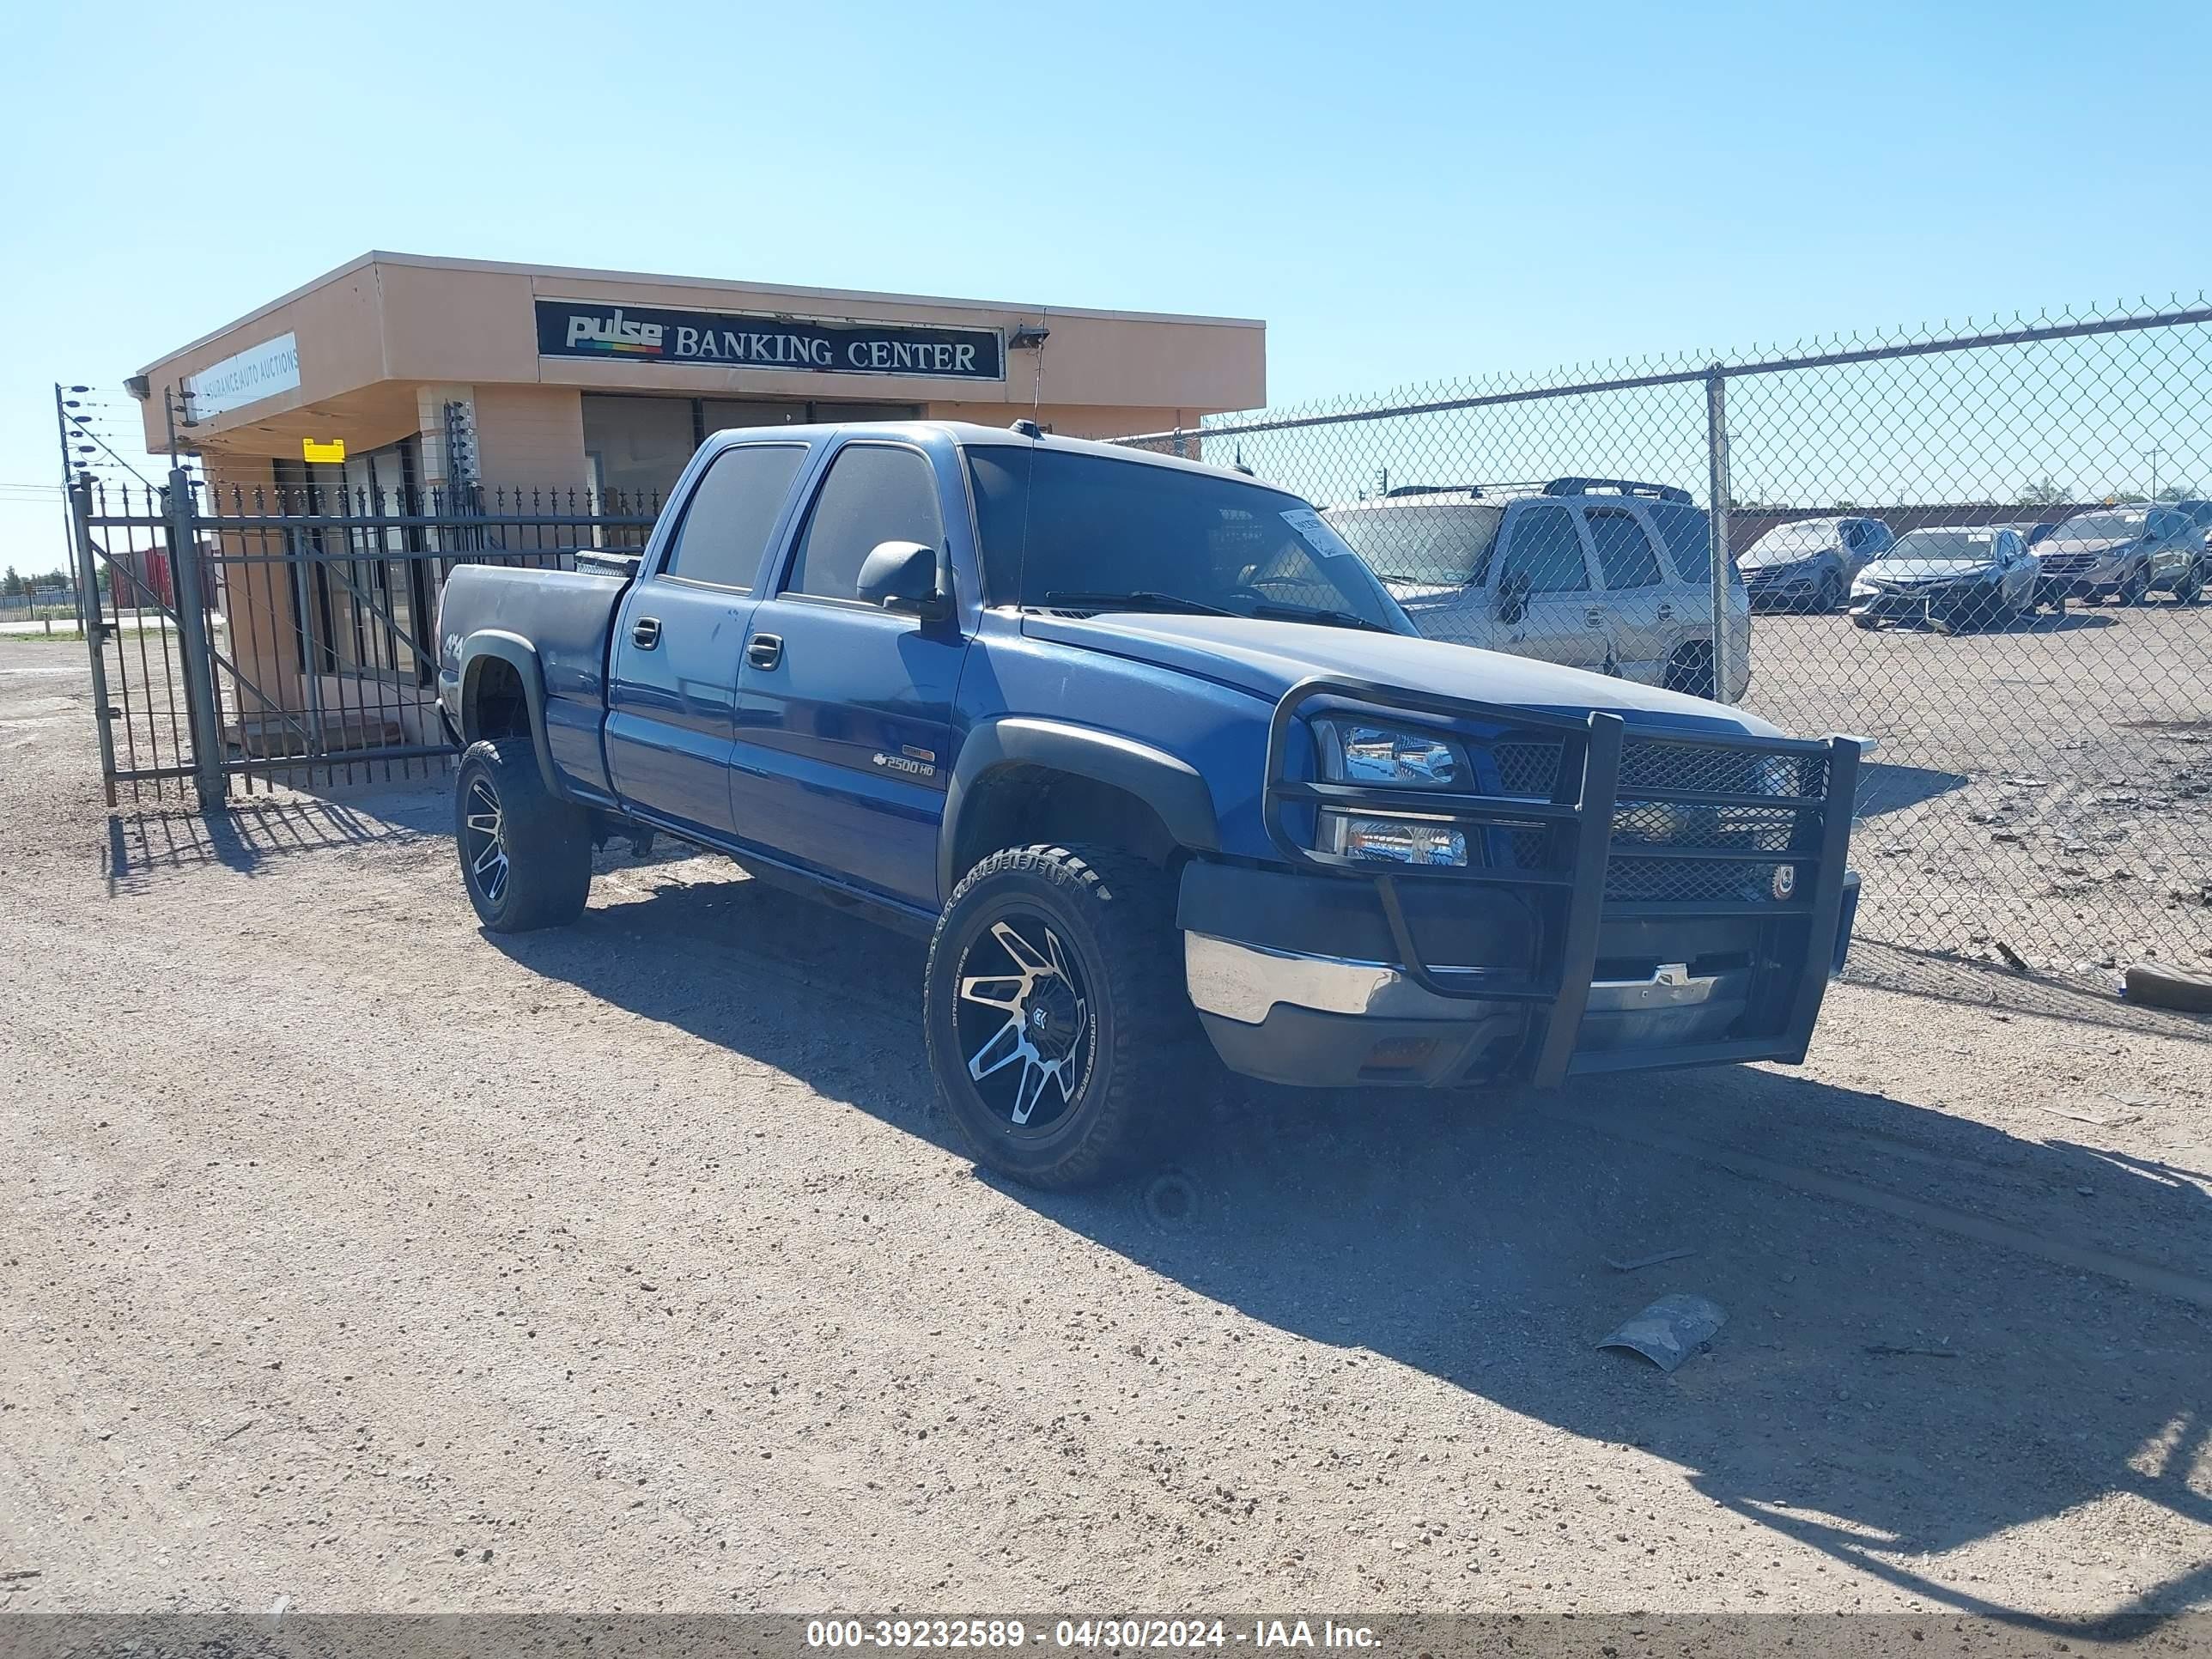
(1317, 534)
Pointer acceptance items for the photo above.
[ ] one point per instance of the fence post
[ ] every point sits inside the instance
(95, 626)
(202, 701)
(1716, 493)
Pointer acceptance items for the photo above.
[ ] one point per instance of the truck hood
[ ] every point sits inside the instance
(1267, 657)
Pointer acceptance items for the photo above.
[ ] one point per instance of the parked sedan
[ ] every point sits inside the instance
(1810, 563)
(2125, 552)
(1950, 578)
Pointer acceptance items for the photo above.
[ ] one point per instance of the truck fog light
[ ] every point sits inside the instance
(1394, 840)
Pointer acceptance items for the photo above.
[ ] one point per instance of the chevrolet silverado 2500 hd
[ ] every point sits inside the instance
(1157, 765)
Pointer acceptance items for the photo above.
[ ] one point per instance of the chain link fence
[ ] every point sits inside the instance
(1986, 551)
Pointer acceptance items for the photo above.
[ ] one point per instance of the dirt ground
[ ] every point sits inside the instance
(357, 1258)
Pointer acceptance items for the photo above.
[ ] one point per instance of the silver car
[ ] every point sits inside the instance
(1809, 564)
(1603, 574)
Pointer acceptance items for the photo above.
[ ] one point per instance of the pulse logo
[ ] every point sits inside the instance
(617, 333)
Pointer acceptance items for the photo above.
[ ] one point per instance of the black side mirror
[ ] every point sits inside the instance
(1512, 600)
(902, 576)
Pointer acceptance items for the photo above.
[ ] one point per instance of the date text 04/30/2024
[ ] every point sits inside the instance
(1129, 1632)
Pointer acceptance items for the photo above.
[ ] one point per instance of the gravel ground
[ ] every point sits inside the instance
(2044, 787)
(360, 1258)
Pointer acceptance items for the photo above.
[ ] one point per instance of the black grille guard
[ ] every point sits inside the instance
(1571, 883)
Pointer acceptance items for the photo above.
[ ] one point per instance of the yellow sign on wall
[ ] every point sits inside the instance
(312, 449)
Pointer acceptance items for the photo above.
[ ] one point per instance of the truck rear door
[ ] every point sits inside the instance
(673, 676)
(845, 709)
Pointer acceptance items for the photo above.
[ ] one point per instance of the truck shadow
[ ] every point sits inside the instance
(1939, 1334)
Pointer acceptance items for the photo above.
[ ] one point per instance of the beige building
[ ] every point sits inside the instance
(545, 377)
(544, 381)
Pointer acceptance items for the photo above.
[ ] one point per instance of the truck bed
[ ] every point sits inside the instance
(566, 616)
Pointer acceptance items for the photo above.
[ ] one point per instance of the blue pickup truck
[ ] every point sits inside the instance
(1160, 769)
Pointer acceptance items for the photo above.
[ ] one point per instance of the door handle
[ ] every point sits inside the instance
(1666, 613)
(764, 650)
(1594, 618)
(644, 633)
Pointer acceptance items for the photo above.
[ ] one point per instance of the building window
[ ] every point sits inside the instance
(638, 445)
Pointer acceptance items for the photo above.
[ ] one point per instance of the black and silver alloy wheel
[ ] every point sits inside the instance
(483, 840)
(1060, 1037)
(1025, 1028)
(525, 852)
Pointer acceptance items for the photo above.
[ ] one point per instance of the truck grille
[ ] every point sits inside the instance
(1527, 768)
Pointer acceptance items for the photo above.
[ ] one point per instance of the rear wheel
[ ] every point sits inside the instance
(1691, 670)
(525, 854)
(1059, 1031)
(2191, 588)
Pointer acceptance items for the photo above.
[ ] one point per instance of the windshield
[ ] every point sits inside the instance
(1805, 537)
(1056, 522)
(1943, 547)
(2100, 527)
(1446, 544)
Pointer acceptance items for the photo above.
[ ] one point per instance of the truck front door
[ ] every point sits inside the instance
(672, 674)
(845, 709)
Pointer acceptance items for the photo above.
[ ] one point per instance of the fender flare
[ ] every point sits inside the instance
(1172, 787)
(521, 655)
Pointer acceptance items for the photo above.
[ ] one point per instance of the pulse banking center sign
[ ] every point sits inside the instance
(577, 328)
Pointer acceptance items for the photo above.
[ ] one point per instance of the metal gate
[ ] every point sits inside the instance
(288, 635)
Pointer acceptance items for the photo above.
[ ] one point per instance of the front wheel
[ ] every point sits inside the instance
(2135, 590)
(1058, 1026)
(525, 854)
(1830, 598)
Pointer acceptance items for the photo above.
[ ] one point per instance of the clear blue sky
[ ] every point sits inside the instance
(1404, 194)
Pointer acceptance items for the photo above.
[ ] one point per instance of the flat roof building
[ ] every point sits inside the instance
(433, 370)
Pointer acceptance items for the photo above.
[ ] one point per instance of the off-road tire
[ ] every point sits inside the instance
(1116, 914)
(1691, 670)
(548, 841)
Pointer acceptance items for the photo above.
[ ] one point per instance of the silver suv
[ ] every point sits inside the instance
(1603, 574)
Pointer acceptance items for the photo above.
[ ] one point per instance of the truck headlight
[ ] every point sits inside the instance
(1392, 840)
(1375, 756)
(1360, 751)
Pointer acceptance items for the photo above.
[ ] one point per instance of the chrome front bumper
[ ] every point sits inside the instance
(1246, 983)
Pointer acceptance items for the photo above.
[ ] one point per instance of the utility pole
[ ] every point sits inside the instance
(2155, 452)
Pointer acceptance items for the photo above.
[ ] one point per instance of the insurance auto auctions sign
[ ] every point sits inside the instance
(718, 339)
(257, 372)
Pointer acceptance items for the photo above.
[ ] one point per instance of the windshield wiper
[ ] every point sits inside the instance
(1140, 599)
(1316, 614)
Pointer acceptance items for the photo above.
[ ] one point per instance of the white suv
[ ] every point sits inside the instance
(1603, 574)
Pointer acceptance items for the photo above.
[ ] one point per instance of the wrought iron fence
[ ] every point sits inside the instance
(287, 635)
(1986, 551)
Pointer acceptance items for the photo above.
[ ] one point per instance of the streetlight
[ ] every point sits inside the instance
(2154, 452)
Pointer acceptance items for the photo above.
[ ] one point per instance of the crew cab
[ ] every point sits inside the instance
(1160, 769)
